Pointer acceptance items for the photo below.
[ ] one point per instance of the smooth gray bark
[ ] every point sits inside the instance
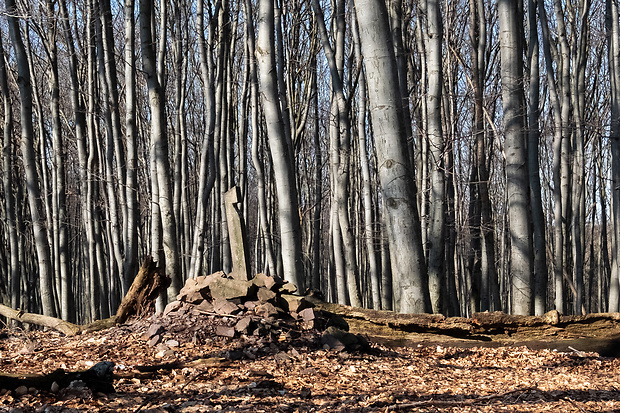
(160, 143)
(538, 218)
(369, 220)
(269, 266)
(515, 147)
(613, 40)
(340, 154)
(130, 265)
(61, 242)
(396, 174)
(29, 162)
(436, 230)
(280, 147)
(8, 165)
(207, 154)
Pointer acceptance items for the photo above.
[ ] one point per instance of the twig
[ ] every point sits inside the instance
(456, 403)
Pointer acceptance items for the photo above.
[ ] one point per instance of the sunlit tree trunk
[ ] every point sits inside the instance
(396, 174)
(130, 265)
(436, 230)
(29, 162)
(515, 147)
(538, 218)
(160, 142)
(290, 229)
(8, 165)
(61, 257)
(369, 219)
(207, 156)
(613, 40)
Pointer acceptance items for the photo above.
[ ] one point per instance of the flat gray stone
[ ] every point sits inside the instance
(226, 288)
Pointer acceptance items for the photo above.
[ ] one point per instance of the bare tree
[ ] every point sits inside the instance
(28, 157)
(160, 143)
(517, 181)
(394, 165)
(290, 229)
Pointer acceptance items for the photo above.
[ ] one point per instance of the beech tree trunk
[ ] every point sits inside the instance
(160, 143)
(517, 179)
(30, 169)
(280, 147)
(396, 174)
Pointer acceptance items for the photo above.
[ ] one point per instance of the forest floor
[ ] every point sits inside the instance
(279, 373)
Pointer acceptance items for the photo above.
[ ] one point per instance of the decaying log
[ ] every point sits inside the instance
(98, 379)
(593, 332)
(140, 297)
(64, 327)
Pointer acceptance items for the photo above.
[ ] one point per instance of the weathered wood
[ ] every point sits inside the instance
(593, 332)
(64, 327)
(97, 378)
(145, 288)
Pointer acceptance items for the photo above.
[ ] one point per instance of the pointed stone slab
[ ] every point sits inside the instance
(235, 235)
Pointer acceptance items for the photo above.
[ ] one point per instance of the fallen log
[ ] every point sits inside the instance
(98, 379)
(598, 332)
(145, 288)
(57, 324)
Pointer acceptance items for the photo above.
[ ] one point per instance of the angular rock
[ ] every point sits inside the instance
(266, 310)
(225, 307)
(193, 297)
(269, 282)
(307, 314)
(225, 331)
(154, 330)
(296, 303)
(172, 307)
(226, 288)
(205, 306)
(288, 288)
(197, 289)
(243, 324)
(264, 294)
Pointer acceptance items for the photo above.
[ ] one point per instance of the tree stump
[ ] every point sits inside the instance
(147, 285)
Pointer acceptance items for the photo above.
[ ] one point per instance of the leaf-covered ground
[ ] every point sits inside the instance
(285, 374)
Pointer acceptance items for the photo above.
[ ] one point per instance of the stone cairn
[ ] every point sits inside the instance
(262, 307)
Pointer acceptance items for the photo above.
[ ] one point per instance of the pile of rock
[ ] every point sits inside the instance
(263, 307)
(261, 301)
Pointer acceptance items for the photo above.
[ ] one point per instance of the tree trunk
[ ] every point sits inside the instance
(8, 165)
(515, 147)
(288, 211)
(613, 41)
(28, 157)
(395, 171)
(130, 265)
(160, 142)
(436, 230)
(538, 218)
